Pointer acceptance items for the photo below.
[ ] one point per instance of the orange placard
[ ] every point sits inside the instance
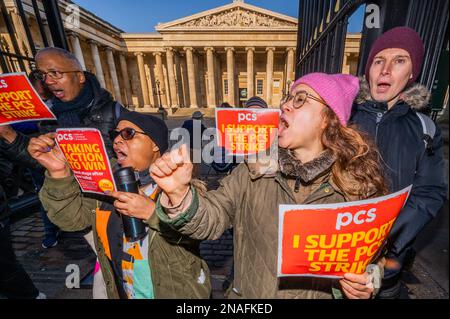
(85, 153)
(333, 239)
(19, 101)
(246, 131)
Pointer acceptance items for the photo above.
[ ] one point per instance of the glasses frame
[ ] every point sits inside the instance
(114, 134)
(43, 75)
(290, 97)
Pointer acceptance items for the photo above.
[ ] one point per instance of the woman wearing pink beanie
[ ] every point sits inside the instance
(320, 161)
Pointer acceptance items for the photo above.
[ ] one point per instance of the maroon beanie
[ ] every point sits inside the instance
(399, 38)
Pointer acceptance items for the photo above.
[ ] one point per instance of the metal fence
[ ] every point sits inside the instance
(322, 33)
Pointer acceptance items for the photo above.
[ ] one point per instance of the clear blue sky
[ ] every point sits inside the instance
(143, 15)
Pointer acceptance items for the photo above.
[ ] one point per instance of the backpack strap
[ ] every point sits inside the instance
(428, 130)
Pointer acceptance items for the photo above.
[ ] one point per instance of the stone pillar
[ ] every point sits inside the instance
(191, 76)
(97, 63)
(179, 79)
(269, 75)
(113, 72)
(171, 75)
(77, 48)
(250, 71)
(126, 81)
(346, 64)
(160, 77)
(230, 75)
(143, 78)
(290, 65)
(211, 77)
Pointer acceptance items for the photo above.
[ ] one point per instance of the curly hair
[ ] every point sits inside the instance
(358, 170)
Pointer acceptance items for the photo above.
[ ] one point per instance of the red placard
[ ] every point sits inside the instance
(333, 239)
(246, 131)
(85, 153)
(19, 101)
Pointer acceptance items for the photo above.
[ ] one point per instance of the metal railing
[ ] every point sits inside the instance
(322, 33)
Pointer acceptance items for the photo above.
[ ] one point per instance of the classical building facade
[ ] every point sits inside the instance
(226, 54)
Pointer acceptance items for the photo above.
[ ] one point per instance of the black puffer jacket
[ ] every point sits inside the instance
(398, 134)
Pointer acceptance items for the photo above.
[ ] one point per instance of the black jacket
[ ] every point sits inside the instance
(398, 134)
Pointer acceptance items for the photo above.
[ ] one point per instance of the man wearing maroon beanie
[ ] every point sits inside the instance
(388, 108)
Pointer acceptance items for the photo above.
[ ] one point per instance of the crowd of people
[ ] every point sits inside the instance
(340, 139)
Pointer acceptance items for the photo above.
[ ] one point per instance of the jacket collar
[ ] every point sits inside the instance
(307, 172)
(283, 162)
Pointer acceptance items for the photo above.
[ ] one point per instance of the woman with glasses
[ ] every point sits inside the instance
(162, 264)
(321, 160)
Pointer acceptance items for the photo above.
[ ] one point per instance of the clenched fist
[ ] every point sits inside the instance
(44, 150)
(173, 173)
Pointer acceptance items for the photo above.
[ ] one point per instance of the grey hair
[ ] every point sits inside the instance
(62, 53)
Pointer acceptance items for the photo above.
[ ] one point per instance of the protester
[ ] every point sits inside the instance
(254, 102)
(196, 129)
(321, 160)
(162, 265)
(409, 142)
(78, 101)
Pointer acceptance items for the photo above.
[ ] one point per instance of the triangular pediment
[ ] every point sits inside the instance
(235, 16)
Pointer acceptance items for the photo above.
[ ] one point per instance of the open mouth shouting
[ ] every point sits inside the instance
(383, 87)
(284, 125)
(58, 93)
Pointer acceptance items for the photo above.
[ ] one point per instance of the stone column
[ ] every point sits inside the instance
(250, 71)
(77, 48)
(179, 79)
(191, 76)
(211, 77)
(171, 75)
(230, 75)
(290, 65)
(113, 72)
(269, 75)
(143, 78)
(126, 81)
(97, 63)
(160, 76)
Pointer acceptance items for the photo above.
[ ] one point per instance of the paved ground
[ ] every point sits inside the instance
(428, 277)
